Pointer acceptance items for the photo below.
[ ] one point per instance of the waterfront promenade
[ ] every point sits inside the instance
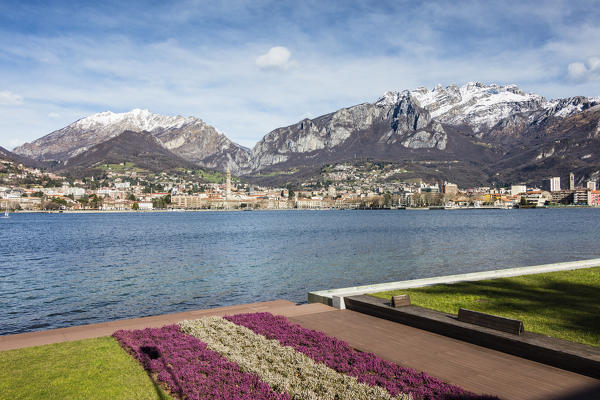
(474, 368)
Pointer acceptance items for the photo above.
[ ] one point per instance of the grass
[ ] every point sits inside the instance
(211, 176)
(279, 172)
(84, 369)
(563, 304)
(117, 167)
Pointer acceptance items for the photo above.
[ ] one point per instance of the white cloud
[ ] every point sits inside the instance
(10, 99)
(588, 71)
(594, 63)
(15, 142)
(75, 75)
(577, 70)
(277, 57)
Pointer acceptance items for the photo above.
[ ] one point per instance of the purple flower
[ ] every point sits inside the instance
(189, 369)
(338, 355)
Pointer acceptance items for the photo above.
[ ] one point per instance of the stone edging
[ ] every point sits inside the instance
(335, 297)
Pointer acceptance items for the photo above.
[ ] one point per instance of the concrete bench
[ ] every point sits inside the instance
(503, 324)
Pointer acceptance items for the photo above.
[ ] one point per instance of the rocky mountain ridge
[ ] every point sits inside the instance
(481, 126)
(188, 137)
(386, 124)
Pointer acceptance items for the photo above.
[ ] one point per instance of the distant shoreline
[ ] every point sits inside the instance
(283, 209)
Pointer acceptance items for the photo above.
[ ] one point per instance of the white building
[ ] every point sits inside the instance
(591, 185)
(555, 184)
(228, 184)
(538, 198)
(516, 189)
(77, 192)
(145, 205)
(451, 188)
(122, 185)
(331, 192)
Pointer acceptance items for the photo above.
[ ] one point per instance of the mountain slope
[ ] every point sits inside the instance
(190, 138)
(26, 161)
(394, 127)
(567, 145)
(489, 132)
(139, 148)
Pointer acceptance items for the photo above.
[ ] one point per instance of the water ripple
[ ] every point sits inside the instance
(68, 269)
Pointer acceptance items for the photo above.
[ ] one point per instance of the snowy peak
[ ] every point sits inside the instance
(563, 108)
(476, 104)
(482, 106)
(472, 93)
(136, 119)
(392, 98)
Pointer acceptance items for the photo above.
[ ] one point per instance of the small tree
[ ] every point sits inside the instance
(51, 205)
(135, 206)
(60, 201)
(523, 201)
(95, 201)
(387, 199)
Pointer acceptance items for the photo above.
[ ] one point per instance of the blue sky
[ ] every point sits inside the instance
(247, 67)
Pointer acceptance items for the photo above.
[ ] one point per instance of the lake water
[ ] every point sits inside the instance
(62, 270)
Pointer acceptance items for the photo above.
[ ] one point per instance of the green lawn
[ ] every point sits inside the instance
(85, 369)
(562, 304)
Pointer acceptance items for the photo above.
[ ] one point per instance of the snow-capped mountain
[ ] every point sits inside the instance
(481, 107)
(417, 119)
(481, 126)
(188, 137)
(475, 127)
(476, 105)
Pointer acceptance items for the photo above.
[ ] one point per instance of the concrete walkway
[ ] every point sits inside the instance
(280, 307)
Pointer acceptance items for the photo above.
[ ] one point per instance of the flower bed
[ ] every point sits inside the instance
(339, 356)
(189, 369)
(283, 368)
(261, 356)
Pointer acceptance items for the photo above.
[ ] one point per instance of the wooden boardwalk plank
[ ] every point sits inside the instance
(472, 367)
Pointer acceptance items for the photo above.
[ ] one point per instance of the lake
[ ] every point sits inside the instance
(61, 270)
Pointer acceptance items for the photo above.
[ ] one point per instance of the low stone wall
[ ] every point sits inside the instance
(335, 297)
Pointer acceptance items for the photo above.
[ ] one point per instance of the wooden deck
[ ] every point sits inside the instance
(475, 368)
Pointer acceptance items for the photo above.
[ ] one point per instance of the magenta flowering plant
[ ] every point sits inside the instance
(189, 369)
(338, 355)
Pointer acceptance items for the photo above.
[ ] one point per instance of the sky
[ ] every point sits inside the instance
(248, 67)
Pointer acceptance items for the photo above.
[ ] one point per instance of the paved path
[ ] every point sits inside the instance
(281, 307)
(475, 368)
